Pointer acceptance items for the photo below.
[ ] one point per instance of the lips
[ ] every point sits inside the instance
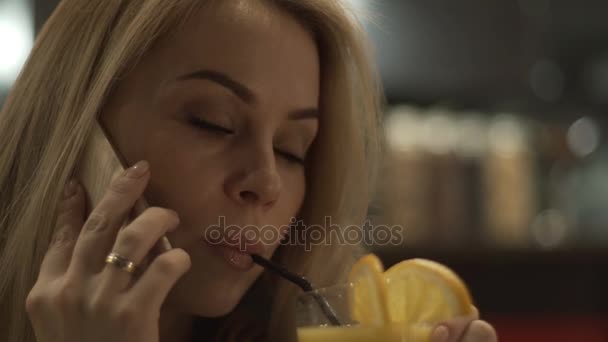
(235, 258)
(236, 252)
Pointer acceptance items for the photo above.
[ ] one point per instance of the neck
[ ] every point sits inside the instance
(174, 325)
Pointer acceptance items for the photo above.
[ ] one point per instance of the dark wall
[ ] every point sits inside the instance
(42, 10)
(485, 51)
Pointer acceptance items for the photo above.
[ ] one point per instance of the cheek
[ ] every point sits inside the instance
(294, 189)
(189, 182)
(294, 192)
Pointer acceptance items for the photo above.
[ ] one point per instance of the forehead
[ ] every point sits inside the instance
(252, 41)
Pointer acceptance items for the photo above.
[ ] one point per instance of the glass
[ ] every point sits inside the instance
(314, 323)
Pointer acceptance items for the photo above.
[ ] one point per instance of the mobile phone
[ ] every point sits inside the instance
(101, 162)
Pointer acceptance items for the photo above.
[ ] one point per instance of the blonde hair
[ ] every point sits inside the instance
(82, 52)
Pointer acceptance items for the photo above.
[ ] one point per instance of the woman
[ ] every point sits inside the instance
(255, 111)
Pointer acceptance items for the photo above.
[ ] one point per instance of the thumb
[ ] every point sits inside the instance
(70, 219)
(452, 330)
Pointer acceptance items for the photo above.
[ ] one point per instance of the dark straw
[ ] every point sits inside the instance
(300, 281)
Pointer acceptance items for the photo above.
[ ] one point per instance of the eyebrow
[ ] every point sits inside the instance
(243, 92)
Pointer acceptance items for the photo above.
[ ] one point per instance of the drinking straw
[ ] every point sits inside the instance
(300, 281)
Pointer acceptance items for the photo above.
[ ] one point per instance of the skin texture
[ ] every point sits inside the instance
(243, 163)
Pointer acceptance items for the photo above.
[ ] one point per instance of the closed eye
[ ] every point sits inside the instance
(290, 157)
(208, 126)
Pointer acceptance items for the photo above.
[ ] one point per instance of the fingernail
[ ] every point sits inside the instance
(441, 334)
(70, 188)
(138, 170)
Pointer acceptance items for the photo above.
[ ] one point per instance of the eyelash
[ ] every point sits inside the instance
(291, 158)
(202, 124)
(209, 126)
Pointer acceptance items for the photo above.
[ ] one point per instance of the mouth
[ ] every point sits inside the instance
(237, 255)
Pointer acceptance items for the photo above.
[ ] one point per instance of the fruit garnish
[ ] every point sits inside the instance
(368, 299)
(414, 294)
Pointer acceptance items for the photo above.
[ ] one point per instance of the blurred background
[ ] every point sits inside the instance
(497, 159)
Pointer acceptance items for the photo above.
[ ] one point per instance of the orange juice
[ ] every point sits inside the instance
(389, 333)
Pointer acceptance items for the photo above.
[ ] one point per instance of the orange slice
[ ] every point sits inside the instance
(425, 291)
(368, 298)
(415, 294)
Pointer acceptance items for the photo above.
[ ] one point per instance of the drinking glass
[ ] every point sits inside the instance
(313, 318)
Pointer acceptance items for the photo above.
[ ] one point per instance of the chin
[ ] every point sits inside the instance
(206, 300)
(210, 289)
(211, 307)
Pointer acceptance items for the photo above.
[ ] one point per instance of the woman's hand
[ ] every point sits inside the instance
(465, 329)
(77, 296)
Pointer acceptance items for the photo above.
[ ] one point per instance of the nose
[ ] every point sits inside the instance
(256, 183)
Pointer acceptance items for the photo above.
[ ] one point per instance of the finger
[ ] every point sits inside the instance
(135, 241)
(453, 329)
(70, 218)
(102, 225)
(163, 245)
(475, 313)
(140, 206)
(156, 282)
(480, 331)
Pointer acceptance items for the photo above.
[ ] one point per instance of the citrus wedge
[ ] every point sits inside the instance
(408, 299)
(368, 298)
(424, 291)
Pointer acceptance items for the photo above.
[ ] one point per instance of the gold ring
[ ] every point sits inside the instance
(121, 262)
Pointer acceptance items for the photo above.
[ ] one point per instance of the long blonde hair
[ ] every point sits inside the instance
(82, 52)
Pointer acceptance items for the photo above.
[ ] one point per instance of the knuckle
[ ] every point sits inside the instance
(67, 296)
(121, 186)
(63, 236)
(98, 306)
(167, 265)
(96, 222)
(66, 206)
(130, 238)
(126, 313)
(64, 300)
(173, 262)
(35, 301)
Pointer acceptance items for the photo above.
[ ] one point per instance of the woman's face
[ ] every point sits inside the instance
(224, 110)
